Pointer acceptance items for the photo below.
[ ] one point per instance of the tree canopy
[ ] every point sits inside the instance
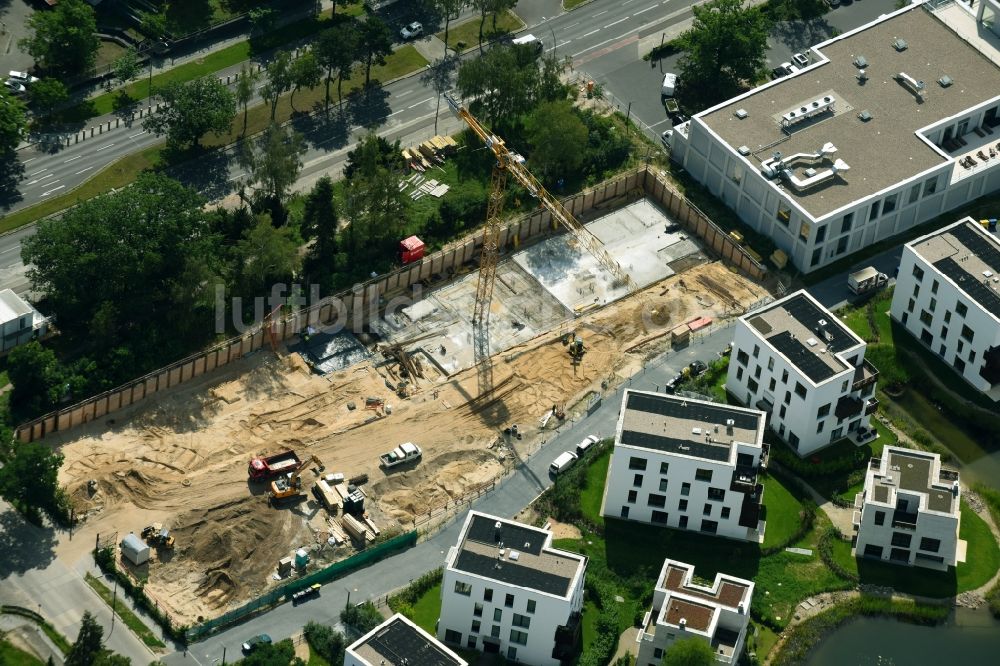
(274, 161)
(689, 652)
(46, 94)
(13, 120)
(558, 139)
(336, 50)
(320, 225)
(193, 109)
(63, 39)
(374, 43)
(29, 479)
(374, 206)
(88, 642)
(724, 51)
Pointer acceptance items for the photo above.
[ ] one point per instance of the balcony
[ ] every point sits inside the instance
(724, 645)
(848, 406)
(904, 521)
(744, 479)
(567, 638)
(948, 475)
(865, 375)
(871, 406)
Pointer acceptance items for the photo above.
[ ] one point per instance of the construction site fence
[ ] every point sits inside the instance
(354, 307)
(336, 570)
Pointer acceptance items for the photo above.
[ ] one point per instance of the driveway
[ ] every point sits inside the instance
(14, 16)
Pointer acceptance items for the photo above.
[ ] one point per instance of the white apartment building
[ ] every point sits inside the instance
(908, 512)
(20, 322)
(687, 464)
(506, 590)
(718, 614)
(948, 297)
(399, 642)
(795, 360)
(889, 126)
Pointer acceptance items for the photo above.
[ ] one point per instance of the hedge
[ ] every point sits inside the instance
(105, 559)
(826, 554)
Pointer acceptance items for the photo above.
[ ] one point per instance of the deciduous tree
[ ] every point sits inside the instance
(193, 109)
(558, 139)
(320, 225)
(13, 120)
(63, 40)
(88, 642)
(279, 80)
(246, 86)
(375, 207)
(375, 43)
(305, 74)
(504, 83)
(448, 9)
(274, 161)
(46, 94)
(126, 67)
(689, 652)
(267, 256)
(29, 480)
(336, 52)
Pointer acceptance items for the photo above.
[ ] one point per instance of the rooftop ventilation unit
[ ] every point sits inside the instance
(860, 62)
(945, 81)
(741, 113)
(808, 110)
(900, 44)
(743, 150)
(865, 116)
(812, 342)
(862, 77)
(915, 86)
(695, 431)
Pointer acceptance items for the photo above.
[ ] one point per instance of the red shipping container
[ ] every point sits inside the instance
(411, 249)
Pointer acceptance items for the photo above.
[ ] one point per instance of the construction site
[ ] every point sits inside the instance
(295, 457)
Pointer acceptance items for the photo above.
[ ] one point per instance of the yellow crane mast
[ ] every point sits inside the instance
(509, 162)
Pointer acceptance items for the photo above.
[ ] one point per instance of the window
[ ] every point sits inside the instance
(906, 315)
(871, 550)
(476, 625)
(842, 245)
(509, 601)
(624, 512)
(531, 605)
(471, 643)
(932, 545)
(804, 230)
(961, 309)
(819, 427)
(911, 305)
(967, 333)
(944, 332)
(770, 363)
(889, 204)
(706, 510)
(800, 390)
(880, 517)
(658, 653)
(682, 505)
(934, 287)
(497, 615)
(916, 290)
(739, 374)
(781, 412)
(816, 256)
(637, 480)
(823, 411)
(784, 376)
(930, 186)
(756, 351)
(659, 517)
(918, 272)
(632, 496)
(901, 539)
(925, 317)
(716, 494)
(788, 397)
(725, 513)
(637, 463)
(452, 636)
(663, 485)
(947, 316)
(959, 364)
(784, 213)
(933, 305)
(478, 610)
(463, 588)
(522, 621)
(659, 501)
(756, 372)
(518, 637)
(511, 653)
(926, 337)
(793, 440)
(664, 468)
(873, 213)
(488, 595)
(703, 475)
(845, 224)
(742, 357)
(961, 346)
(942, 350)
(752, 385)
(914, 194)
(771, 384)
(821, 234)
(835, 435)
(972, 356)
(683, 523)
(685, 489)
(495, 631)
(709, 526)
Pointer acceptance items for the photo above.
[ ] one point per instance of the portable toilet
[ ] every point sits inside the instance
(301, 558)
(135, 549)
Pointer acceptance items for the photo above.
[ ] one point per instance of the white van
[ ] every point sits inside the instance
(528, 39)
(669, 84)
(562, 463)
(582, 447)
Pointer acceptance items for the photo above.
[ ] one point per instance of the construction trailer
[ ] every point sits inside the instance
(135, 550)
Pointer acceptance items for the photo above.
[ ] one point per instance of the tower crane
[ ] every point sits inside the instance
(510, 163)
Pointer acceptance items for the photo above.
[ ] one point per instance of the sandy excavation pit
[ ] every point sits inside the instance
(181, 458)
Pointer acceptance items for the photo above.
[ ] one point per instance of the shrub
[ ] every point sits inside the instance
(826, 554)
(363, 617)
(326, 641)
(412, 593)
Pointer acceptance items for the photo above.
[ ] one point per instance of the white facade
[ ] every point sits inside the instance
(399, 642)
(796, 361)
(20, 322)
(909, 511)
(910, 169)
(947, 296)
(506, 590)
(718, 614)
(687, 464)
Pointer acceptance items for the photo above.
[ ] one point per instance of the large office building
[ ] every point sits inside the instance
(399, 642)
(908, 512)
(889, 126)
(687, 464)
(717, 614)
(795, 360)
(947, 296)
(507, 591)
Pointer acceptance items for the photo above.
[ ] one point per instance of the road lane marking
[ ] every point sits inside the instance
(620, 39)
(558, 45)
(618, 21)
(644, 10)
(139, 134)
(71, 159)
(31, 160)
(39, 171)
(423, 101)
(571, 25)
(45, 194)
(592, 32)
(103, 147)
(82, 170)
(598, 14)
(405, 92)
(395, 112)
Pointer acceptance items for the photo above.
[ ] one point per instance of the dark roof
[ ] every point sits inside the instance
(514, 535)
(970, 284)
(808, 314)
(717, 452)
(800, 355)
(399, 643)
(695, 411)
(512, 573)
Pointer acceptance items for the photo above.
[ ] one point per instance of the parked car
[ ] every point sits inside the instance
(582, 447)
(784, 69)
(800, 60)
(256, 642)
(22, 77)
(669, 85)
(666, 137)
(412, 31)
(563, 462)
(306, 593)
(697, 368)
(13, 87)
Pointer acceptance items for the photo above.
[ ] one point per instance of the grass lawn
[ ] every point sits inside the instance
(857, 320)
(107, 54)
(765, 641)
(316, 660)
(130, 619)
(847, 484)
(427, 610)
(588, 624)
(467, 33)
(590, 498)
(13, 656)
(572, 4)
(782, 513)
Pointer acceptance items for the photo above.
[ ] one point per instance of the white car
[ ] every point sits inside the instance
(412, 31)
(669, 84)
(562, 462)
(14, 87)
(582, 447)
(801, 60)
(21, 77)
(666, 138)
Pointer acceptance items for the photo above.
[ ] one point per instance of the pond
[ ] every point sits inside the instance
(969, 637)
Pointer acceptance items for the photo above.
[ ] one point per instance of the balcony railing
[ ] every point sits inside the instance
(904, 521)
(948, 474)
(871, 406)
(865, 375)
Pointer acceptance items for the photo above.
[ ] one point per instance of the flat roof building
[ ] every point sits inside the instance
(795, 360)
(399, 642)
(890, 125)
(506, 590)
(718, 614)
(909, 510)
(687, 464)
(947, 296)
